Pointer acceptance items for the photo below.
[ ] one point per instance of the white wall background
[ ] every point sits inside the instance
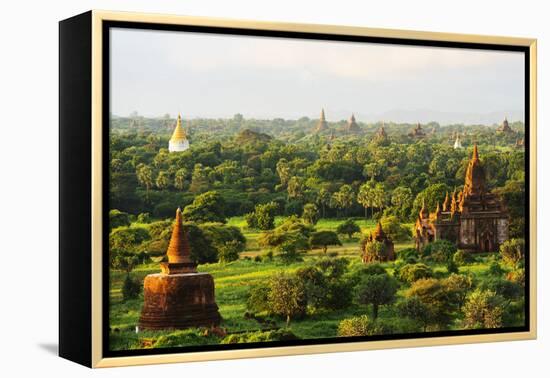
(28, 212)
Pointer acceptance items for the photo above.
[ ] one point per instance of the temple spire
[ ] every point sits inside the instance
(475, 155)
(179, 249)
(322, 125)
(446, 202)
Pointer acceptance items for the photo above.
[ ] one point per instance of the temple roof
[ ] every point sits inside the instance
(322, 125)
(352, 125)
(179, 249)
(179, 132)
(475, 175)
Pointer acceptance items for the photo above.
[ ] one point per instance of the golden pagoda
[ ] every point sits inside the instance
(179, 141)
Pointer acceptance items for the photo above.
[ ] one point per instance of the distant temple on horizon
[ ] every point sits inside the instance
(417, 132)
(352, 126)
(505, 128)
(475, 219)
(322, 125)
(179, 141)
(458, 144)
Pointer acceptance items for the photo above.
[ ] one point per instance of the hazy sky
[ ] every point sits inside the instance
(208, 75)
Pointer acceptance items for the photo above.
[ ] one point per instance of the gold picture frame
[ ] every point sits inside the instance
(93, 24)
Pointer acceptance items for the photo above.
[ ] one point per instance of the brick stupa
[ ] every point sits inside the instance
(179, 297)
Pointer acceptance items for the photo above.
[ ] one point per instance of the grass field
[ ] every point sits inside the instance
(232, 283)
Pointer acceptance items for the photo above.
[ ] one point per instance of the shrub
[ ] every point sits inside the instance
(439, 251)
(263, 216)
(131, 288)
(269, 255)
(434, 294)
(184, 338)
(462, 258)
(500, 286)
(416, 310)
(127, 239)
(360, 271)
(394, 229)
(409, 255)
(495, 269)
(229, 251)
(144, 218)
(206, 207)
(258, 258)
(118, 218)
(310, 214)
(413, 272)
(457, 287)
(513, 252)
(451, 266)
(483, 309)
(258, 299)
(324, 286)
(517, 276)
(363, 326)
(260, 336)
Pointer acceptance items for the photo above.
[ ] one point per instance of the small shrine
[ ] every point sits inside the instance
(179, 297)
(378, 235)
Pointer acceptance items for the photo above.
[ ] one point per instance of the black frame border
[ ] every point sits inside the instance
(107, 25)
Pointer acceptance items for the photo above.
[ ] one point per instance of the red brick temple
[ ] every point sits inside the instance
(378, 235)
(179, 297)
(475, 219)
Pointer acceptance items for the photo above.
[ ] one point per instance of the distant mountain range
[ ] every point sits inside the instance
(426, 115)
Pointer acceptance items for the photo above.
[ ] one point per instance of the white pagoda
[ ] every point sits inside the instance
(179, 141)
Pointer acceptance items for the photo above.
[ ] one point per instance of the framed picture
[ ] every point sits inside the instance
(236, 189)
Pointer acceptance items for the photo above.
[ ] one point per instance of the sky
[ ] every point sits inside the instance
(207, 75)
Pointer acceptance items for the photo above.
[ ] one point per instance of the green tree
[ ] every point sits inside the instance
(322, 239)
(413, 308)
(127, 239)
(401, 199)
(229, 251)
(163, 180)
(366, 196)
(286, 296)
(363, 326)
(283, 170)
(180, 181)
(263, 216)
(483, 309)
(433, 293)
(349, 227)
(376, 290)
(206, 207)
(394, 229)
(440, 251)
(118, 218)
(310, 214)
(295, 187)
(343, 198)
(144, 175)
(513, 252)
(323, 199)
(413, 272)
